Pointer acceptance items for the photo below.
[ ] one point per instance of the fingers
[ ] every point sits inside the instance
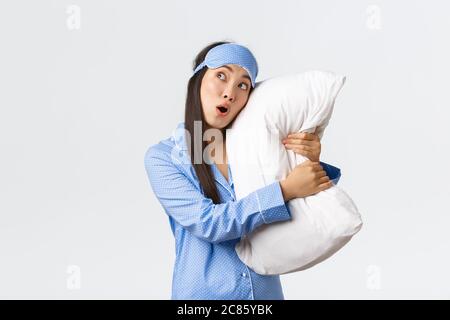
(303, 150)
(316, 166)
(298, 147)
(325, 185)
(292, 142)
(322, 175)
(302, 135)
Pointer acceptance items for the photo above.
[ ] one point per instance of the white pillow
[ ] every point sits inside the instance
(322, 223)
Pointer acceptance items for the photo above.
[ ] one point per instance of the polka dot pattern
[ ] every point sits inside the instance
(231, 53)
(206, 264)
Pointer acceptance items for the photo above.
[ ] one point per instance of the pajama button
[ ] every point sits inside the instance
(244, 274)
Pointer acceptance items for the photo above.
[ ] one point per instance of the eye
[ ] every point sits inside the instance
(221, 74)
(246, 85)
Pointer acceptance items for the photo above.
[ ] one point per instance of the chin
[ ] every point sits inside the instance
(217, 124)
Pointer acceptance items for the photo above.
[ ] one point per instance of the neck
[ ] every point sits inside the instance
(218, 153)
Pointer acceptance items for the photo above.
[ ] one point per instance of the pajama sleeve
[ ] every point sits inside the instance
(188, 206)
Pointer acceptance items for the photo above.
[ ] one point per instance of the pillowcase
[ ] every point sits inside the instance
(321, 224)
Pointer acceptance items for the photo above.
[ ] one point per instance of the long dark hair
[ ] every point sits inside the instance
(193, 112)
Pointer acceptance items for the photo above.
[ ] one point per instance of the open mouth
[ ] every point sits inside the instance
(222, 110)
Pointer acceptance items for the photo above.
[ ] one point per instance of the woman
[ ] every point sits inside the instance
(197, 194)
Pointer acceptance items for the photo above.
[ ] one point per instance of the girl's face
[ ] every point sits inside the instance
(224, 92)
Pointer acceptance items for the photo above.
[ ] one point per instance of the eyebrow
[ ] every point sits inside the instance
(231, 70)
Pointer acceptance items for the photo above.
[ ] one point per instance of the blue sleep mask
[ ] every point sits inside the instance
(231, 53)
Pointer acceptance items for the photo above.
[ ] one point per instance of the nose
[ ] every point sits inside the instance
(226, 96)
(228, 92)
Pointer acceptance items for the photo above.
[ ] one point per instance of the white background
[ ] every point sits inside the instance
(85, 90)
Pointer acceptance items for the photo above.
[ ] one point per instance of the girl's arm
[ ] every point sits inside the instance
(212, 222)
